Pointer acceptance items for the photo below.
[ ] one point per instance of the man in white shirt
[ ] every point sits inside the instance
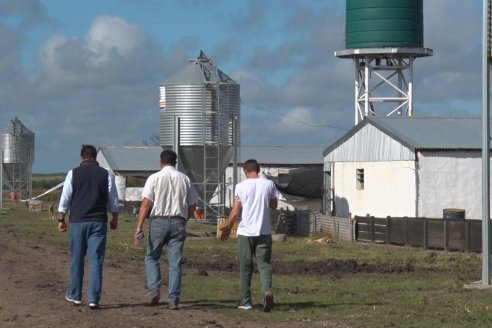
(255, 196)
(172, 198)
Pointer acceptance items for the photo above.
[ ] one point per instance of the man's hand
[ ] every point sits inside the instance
(62, 226)
(225, 232)
(114, 222)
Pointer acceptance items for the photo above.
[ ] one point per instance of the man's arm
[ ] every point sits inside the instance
(64, 204)
(142, 214)
(113, 202)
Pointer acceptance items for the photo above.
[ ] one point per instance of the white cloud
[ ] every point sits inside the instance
(108, 35)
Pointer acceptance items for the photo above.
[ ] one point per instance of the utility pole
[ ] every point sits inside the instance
(486, 53)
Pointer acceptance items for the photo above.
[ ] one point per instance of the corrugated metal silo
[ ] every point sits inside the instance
(384, 23)
(17, 144)
(199, 116)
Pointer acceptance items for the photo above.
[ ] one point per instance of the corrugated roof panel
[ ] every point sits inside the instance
(423, 132)
(129, 158)
(284, 155)
(434, 133)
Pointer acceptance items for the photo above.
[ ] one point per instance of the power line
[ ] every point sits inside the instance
(296, 119)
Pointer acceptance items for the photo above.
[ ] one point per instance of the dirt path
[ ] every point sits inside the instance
(33, 279)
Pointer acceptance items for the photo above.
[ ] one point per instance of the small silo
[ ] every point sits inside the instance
(384, 37)
(17, 146)
(199, 119)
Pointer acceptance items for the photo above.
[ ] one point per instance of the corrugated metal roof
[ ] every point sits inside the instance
(282, 154)
(424, 132)
(199, 71)
(132, 158)
(146, 158)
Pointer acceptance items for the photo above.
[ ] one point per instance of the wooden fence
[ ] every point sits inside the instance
(456, 235)
(304, 222)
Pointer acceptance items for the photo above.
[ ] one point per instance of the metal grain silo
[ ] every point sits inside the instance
(199, 117)
(384, 37)
(17, 146)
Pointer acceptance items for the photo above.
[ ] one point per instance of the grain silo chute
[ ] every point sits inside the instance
(17, 158)
(383, 38)
(199, 119)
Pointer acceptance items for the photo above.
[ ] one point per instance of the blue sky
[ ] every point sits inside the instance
(78, 72)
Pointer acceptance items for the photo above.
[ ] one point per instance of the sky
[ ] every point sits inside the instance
(88, 72)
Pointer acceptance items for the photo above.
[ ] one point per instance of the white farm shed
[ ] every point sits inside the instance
(414, 167)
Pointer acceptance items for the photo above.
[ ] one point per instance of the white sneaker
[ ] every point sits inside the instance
(245, 306)
(74, 302)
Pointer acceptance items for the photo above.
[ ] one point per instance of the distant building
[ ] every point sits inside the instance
(414, 167)
(297, 171)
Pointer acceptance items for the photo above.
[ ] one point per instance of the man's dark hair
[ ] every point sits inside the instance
(251, 165)
(88, 151)
(169, 157)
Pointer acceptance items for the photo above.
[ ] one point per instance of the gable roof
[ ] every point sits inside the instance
(424, 133)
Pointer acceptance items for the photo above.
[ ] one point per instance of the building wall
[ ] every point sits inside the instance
(450, 179)
(389, 188)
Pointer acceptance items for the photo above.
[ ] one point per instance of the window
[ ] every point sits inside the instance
(360, 179)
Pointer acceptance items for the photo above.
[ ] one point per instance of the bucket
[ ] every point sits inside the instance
(13, 196)
(35, 205)
(453, 214)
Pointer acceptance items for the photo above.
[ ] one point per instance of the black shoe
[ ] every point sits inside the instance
(154, 298)
(268, 301)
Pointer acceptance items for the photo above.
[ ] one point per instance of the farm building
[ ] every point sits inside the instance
(414, 167)
(297, 171)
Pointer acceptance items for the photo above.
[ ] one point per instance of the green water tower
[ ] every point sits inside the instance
(383, 38)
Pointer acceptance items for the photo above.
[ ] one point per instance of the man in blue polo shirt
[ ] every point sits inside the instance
(89, 192)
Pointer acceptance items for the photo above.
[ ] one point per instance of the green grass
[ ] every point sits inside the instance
(430, 294)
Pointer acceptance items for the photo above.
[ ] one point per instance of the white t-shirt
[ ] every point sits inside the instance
(255, 196)
(171, 192)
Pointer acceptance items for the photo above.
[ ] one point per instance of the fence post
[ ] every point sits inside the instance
(388, 230)
(446, 235)
(467, 235)
(406, 229)
(426, 233)
(372, 228)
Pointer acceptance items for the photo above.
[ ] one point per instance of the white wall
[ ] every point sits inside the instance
(389, 189)
(450, 180)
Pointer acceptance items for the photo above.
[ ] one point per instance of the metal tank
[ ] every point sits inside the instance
(384, 23)
(17, 146)
(383, 38)
(199, 117)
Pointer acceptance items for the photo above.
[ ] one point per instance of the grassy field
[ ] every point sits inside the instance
(353, 284)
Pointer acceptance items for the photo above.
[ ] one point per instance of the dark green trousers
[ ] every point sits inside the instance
(261, 248)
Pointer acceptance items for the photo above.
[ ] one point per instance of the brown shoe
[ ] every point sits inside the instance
(268, 301)
(154, 298)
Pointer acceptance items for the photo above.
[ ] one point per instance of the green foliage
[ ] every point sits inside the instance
(429, 294)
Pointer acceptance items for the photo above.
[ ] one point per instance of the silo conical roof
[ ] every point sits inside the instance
(199, 71)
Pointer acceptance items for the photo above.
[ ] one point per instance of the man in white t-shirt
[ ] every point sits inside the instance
(172, 198)
(255, 196)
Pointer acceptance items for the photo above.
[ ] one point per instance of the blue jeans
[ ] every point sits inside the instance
(87, 238)
(171, 233)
